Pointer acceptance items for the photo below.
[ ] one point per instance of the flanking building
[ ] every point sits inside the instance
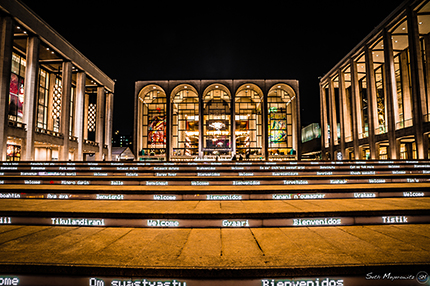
(375, 103)
(55, 104)
(217, 120)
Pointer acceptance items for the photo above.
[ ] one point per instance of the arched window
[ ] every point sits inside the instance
(152, 123)
(217, 121)
(280, 109)
(248, 120)
(185, 119)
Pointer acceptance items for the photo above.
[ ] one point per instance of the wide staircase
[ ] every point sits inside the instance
(213, 223)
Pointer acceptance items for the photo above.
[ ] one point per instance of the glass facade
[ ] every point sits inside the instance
(185, 122)
(16, 90)
(215, 122)
(248, 121)
(390, 90)
(280, 122)
(153, 122)
(42, 102)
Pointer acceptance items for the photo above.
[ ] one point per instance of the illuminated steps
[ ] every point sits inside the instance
(215, 214)
(105, 221)
(192, 181)
(209, 195)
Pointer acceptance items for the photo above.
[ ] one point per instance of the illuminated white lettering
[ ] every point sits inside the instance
(162, 223)
(143, 282)
(376, 181)
(5, 220)
(28, 174)
(164, 197)
(9, 281)
(116, 183)
(206, 168)
(9, 195)
(223, 197)
(309, 196)
(364, 195)
(394, 219)
(245, 183)
(98, 282)
(285, 173)
(32, 182)
(37, 168)
(208, 174)
(324, 173)
(296, 182)
(328, 167)
(157, 183)
(245, 174)
(344, 181)
(109, 197)
(75, 221)
(317, 221)
(199, 183)
(413, 194)
(281, 197)
(302, 282)
(235, 223)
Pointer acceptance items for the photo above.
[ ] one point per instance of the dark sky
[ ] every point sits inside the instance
(142, 40)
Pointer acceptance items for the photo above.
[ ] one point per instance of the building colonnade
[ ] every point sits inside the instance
(375, 103)
(217, 119)
(54, 103)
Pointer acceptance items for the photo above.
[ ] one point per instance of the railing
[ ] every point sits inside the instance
(16, 124)
(349, 138)
(381, 130)
(404, 123)
(363, 135)
(92, 143)
(48, 132)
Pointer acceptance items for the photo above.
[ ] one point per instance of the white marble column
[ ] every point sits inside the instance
(79, 114)
(65, 109)
(109, 124)
(30, 94)
(100, 122)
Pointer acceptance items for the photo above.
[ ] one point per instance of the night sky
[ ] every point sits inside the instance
(157, 40)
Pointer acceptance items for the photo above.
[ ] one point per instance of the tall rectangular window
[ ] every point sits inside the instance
(42, 103)
(16, 88)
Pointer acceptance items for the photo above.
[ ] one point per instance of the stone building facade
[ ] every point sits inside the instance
(55, 104)
(375, 103)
